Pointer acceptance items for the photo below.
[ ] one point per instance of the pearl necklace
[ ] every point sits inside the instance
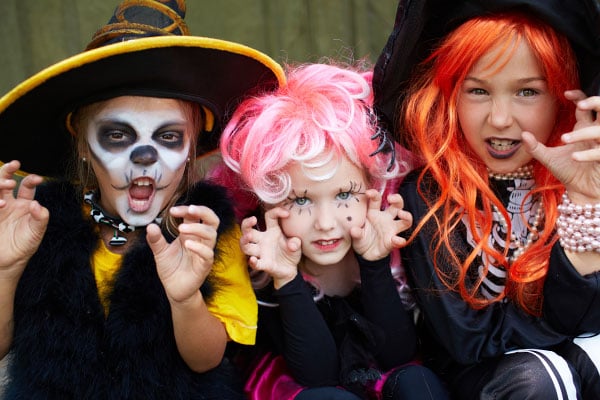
(524, 172)
(515, 242)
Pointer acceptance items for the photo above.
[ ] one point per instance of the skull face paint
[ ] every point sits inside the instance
(139, 147)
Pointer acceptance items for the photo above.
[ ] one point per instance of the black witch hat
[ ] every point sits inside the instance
(420, 24)
(145, 50)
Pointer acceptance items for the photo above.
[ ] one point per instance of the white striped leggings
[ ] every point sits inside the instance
(568, 372)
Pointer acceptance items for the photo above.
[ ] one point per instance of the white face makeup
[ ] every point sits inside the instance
(139, 148)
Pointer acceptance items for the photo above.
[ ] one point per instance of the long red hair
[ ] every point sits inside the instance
(431, 123)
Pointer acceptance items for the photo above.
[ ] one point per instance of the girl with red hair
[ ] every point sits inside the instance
(506, 208)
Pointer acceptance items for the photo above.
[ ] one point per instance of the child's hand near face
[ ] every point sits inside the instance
(586, 137)
(23, 220)
(184, 264)
(376, 239)
(575, 163)
(271, 251)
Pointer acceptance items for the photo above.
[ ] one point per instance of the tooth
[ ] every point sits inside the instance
(501, 142)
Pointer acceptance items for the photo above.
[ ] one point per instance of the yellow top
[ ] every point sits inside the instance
(233, 302)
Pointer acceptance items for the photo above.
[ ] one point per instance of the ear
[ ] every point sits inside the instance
(84, 154)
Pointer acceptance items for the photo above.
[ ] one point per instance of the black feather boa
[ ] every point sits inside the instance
(65, 348)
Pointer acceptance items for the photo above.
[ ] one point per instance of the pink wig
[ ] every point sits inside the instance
(323, 113)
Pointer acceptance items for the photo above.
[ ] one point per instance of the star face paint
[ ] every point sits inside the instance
(139, 147)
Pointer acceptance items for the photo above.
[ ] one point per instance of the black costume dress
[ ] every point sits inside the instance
(334, 341)
(466, 346)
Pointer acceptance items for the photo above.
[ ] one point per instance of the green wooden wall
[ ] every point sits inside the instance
(37, 33)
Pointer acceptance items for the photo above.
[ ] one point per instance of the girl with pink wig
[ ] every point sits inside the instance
(332, 323)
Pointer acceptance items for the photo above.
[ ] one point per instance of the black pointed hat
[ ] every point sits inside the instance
(420, 24)
(145, 49)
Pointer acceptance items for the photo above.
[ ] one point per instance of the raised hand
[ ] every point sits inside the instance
(379, 235)
(270, 251)
(184, 264)
(576, 163)
(23, 221)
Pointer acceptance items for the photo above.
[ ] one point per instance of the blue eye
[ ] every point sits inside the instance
(344, 195)
(301, 201)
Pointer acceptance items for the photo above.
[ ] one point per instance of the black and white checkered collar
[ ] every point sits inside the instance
(101, 217)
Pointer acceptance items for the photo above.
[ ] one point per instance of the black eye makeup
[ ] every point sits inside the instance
(170, 137)
(115, 136)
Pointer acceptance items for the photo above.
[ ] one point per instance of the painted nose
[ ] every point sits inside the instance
(500, 114)
(144, 155)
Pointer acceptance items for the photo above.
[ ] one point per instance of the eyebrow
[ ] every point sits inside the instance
(124, 122)
(520, 81)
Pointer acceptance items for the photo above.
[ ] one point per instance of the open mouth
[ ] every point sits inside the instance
(325, 245)
(502, 148)
(141, 193)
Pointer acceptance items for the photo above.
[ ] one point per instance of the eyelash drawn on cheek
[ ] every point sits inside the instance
(290, 202)
(354, 190)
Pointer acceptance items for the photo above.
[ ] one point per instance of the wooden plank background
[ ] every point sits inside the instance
(37, 33)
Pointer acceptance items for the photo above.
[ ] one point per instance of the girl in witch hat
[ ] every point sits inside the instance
(125, 279)
(504, 256)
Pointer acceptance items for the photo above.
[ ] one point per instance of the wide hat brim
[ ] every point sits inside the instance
(420, 24)
(215, 73)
